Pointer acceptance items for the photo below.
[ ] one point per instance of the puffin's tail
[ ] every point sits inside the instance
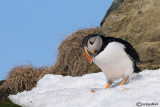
(136, 69)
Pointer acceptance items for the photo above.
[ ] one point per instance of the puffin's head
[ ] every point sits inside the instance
(92, 44)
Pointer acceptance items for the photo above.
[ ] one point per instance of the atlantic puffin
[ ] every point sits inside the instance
(115, 57)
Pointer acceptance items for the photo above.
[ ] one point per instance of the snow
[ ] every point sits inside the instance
(58, 91)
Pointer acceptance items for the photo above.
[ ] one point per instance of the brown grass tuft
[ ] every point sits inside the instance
(23, 78)
(71, 59)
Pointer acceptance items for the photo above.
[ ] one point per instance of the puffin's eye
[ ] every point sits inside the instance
(91, 42)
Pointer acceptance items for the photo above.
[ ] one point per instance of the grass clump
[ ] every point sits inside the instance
(22, 78)
(71, 58)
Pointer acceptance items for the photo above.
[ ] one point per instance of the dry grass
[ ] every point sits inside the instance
(22, 78)
(71, 59)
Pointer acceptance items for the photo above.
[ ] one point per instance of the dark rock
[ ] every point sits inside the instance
(113, 7)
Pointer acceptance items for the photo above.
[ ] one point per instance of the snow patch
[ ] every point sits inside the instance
(59, 91)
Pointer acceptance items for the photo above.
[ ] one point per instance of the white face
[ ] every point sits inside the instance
(94, 43)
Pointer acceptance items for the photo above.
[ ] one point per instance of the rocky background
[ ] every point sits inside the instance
(137, 21)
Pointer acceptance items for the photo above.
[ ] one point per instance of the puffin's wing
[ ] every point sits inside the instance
(132, 53)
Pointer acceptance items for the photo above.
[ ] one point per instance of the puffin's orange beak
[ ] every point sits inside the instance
(88, 56)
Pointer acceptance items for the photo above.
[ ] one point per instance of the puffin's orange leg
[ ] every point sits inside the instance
(108, 85)
(124, 80)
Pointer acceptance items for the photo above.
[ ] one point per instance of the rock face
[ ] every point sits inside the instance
(137, 21)
(114, 6)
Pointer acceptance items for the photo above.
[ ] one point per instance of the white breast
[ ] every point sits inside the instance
(114, 61)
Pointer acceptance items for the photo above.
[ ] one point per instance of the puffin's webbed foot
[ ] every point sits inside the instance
(124, 81)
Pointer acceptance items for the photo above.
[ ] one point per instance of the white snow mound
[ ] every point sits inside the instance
(59, 91)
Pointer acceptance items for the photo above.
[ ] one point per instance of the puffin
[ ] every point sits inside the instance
(115, 57)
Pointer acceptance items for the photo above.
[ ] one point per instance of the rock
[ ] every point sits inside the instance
(138, 22)
(114, 6)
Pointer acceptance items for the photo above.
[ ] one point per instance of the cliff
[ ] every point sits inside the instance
(137, 21)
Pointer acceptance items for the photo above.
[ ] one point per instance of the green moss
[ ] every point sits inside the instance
(8, 104)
